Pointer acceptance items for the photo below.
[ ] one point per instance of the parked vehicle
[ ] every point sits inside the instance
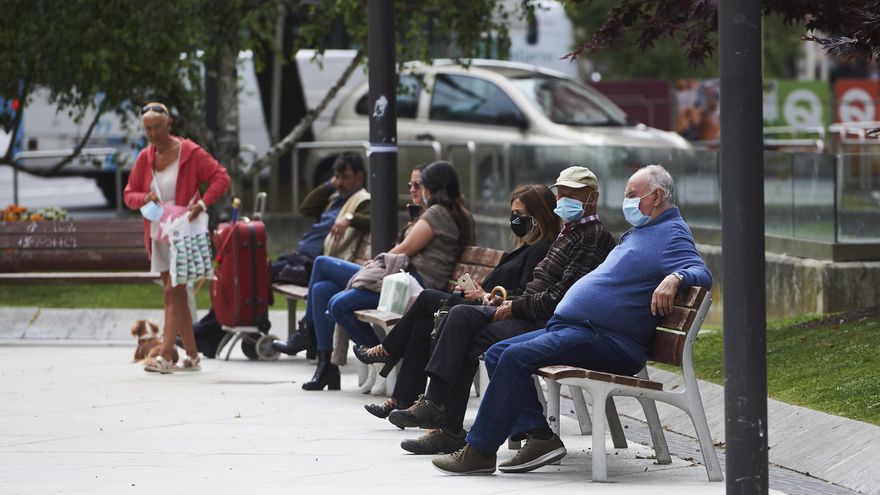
(494, 104)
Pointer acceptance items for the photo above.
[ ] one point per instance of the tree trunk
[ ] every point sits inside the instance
(226, 132)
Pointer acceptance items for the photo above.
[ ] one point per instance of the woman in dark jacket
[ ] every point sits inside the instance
(535, 225)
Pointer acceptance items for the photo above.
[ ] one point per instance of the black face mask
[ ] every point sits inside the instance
(520, 225)
(413, 210)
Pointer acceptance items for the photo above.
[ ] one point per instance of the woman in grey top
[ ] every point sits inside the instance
(433, 244)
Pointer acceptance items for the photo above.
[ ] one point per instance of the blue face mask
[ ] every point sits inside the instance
(569, 209)
(152, 211)
(631, 211)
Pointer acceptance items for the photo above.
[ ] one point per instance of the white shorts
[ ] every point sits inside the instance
(161, 258)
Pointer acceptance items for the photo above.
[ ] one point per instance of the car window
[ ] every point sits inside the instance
(470, 99)
(568, 103)
(407, 98)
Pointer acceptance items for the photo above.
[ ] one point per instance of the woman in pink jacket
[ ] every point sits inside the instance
(170, 170)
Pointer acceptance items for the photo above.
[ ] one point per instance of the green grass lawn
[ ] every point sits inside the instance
(114, 296)
(818, 364)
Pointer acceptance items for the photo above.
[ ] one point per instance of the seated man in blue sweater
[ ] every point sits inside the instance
(605, 322)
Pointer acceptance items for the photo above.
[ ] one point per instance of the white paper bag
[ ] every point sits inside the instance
(399, 291)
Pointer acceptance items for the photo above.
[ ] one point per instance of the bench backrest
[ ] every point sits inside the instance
(86, 245)
(668, 343)
(478, 261)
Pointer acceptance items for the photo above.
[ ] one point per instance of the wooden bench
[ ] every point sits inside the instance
(672, 344)
(477, 261)
(85, 251)
(294, 293)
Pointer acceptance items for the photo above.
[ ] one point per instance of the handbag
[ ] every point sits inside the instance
(399, 291)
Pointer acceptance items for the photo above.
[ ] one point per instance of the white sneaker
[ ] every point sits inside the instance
(372, 373)
(379, 387)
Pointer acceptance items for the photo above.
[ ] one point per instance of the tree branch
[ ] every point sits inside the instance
(77, 150)
(296, 134)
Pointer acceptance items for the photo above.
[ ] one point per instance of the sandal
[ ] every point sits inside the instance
(191, 363)
(160, 365)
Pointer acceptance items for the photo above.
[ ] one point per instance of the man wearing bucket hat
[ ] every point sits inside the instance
(580, 247)
(605, 322)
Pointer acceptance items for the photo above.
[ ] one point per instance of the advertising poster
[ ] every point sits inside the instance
(797, 103)
(698, 109)
(857, 100)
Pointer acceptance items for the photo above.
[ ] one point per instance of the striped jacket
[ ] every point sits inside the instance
(571, 256)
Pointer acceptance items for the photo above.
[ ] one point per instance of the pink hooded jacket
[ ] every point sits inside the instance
(197, 166)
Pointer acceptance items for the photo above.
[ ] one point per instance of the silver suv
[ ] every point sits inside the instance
(496, 105)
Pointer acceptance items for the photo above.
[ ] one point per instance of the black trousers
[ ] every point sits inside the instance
(410, 340)
(466, 333)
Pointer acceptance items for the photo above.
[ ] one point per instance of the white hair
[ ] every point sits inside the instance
(659, 178)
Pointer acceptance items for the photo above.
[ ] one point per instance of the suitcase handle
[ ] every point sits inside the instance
(260, 206)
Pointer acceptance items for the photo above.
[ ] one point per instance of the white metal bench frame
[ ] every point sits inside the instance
(602, 392)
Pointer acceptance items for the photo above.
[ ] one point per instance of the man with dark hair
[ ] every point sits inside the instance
(341, 208)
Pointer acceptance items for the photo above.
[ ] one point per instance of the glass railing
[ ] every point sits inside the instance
(807, 196)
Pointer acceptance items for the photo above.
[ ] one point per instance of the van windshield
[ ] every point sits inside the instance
(568, 103)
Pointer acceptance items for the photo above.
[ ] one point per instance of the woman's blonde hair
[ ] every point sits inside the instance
(155, 109)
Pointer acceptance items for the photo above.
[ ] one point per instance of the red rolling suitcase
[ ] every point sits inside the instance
(241, 288)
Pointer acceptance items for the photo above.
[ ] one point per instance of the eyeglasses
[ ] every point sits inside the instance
(416, 184)
(154, 108)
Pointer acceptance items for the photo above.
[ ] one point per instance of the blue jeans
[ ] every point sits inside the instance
(329, 277)
(511, 405)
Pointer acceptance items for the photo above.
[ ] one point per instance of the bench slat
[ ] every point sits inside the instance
(667, 347)
(291, 291)
(132, 225)
(477, 255)
(77, 278)
(60, 260)
(679, 319)
(560, 372)
(384, 319)
(691, 298)
(75, 240)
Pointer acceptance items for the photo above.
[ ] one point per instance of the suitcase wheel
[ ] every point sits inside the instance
(249, 347)
(264, 349)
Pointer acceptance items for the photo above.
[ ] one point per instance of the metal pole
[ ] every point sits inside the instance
(275, 111)
(382, 154)
(742, 221)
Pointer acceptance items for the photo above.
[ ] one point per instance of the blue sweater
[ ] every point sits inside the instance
(616, 296)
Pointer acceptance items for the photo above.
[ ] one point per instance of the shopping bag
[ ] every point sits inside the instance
(190, 254)
(399, 291)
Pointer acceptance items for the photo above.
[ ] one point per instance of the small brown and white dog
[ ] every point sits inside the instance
(149, 343)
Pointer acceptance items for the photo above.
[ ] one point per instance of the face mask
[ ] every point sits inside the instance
(414, 210)
(631, 211)
(151, 211)
(520, 225)
(569, 209)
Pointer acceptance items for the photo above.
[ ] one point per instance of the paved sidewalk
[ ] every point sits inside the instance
(78, 417)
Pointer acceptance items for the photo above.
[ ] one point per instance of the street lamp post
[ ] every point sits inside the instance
(382, 155)
(742, 221)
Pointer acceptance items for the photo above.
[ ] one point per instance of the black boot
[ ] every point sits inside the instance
(301, 340)
(326, 375)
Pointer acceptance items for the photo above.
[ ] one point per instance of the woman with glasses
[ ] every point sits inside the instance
(171, 170)
(535, 226)
(432, 243)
